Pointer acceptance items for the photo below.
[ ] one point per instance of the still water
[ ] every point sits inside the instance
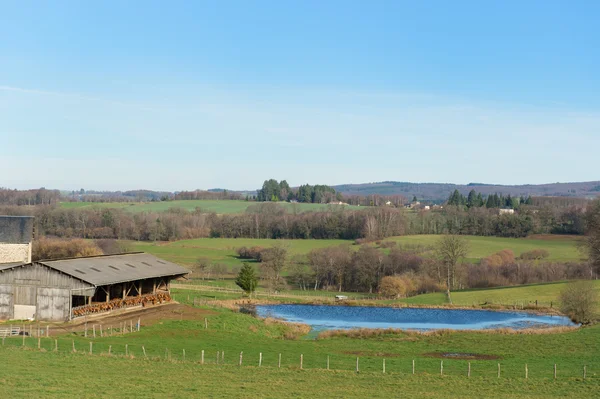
(324, 317)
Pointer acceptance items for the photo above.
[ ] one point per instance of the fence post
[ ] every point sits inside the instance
(205, 323)
(130, 326)
(223, 357)
(126, 350)
(91, 349)
(139, 324)
(383, 366)
(413, 366)
(55, 345)
(47, 331)
(498, 370)
(101, 331)
(109, 350)
(260, 359)
(526, 371)
(23, 338)
(584, 372)
(327, 362)
(3, 338)
(184, 355)
(469, 371)
(85, 332)
(301, 361)
(442, 367)
(241, 355)
(202, 358)
(144, 351)
(39, 343)
(73, 341)
(279, 362)
(554, 370)
(94, 331)
(357, 364)
(218, 356)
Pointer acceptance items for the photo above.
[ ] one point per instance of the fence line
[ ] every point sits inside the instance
(52, 345)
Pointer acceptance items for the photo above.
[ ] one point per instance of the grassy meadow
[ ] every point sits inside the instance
(101, 375)
(217, 206)
(222, 250)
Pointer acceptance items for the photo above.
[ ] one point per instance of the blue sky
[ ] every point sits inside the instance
(184, 95)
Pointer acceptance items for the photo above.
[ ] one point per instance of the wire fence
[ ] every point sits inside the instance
(570, 370)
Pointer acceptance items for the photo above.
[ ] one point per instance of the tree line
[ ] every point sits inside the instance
(477, 200)
(270, 220)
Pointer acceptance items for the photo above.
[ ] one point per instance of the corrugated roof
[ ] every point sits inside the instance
(5, 266)
(113, 269)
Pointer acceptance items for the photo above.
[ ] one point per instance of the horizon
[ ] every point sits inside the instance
(109, 96)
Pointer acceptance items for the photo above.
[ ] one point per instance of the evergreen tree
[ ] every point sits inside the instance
(247, 279)
(472, 199)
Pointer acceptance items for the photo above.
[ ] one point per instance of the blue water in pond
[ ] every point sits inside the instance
(323, 317)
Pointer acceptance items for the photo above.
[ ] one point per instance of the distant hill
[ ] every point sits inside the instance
(438, 192)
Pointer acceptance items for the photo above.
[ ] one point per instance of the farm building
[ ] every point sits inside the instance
(60, 290)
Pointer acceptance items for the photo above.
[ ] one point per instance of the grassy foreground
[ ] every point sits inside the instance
(28, 372)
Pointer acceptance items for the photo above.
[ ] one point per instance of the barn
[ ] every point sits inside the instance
(60, 290)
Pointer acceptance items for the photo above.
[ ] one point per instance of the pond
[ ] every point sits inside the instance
(324, 317)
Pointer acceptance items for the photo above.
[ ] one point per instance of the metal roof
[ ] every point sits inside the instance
(5, 266)
(114, 269)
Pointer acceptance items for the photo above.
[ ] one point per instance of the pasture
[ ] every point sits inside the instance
(216, 206)
(222, 250)
(167, 373)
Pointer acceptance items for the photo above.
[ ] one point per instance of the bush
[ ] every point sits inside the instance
(392, 287)
(579, 301)
(535, 254)
(51, 248)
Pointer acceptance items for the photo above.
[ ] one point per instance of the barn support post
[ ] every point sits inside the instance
(153, 286)
(124, 292)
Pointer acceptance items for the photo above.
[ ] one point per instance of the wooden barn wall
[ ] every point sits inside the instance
(6, 302)
(38, 275)
(53, 304)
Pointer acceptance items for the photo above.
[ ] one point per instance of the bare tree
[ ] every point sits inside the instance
(450, 249)
(591, 243)
(273, 262)
(579, 300)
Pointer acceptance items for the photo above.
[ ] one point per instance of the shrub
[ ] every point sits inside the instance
(51, 248)
(392, 287)
(579, 301)
(535, 254)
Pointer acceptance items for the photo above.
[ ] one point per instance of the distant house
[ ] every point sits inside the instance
(388, 203)
(337, 203)
(426, 207)
(506, 211)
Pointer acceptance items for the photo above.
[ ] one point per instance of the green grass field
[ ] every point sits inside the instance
(545, 294)
(217, 206)
(561, 248)
(28, 372)
(222, 250)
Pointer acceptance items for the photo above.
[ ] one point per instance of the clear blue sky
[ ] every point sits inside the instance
(183, 95)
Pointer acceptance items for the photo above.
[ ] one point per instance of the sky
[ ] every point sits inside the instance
(187, 95)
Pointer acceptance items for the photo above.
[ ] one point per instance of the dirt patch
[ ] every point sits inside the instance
(147, 315)
(461, 356)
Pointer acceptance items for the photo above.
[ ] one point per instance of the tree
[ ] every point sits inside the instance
(591, 242)
(450, 249)
(247, 279)
(579, 301)
(273, 262)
